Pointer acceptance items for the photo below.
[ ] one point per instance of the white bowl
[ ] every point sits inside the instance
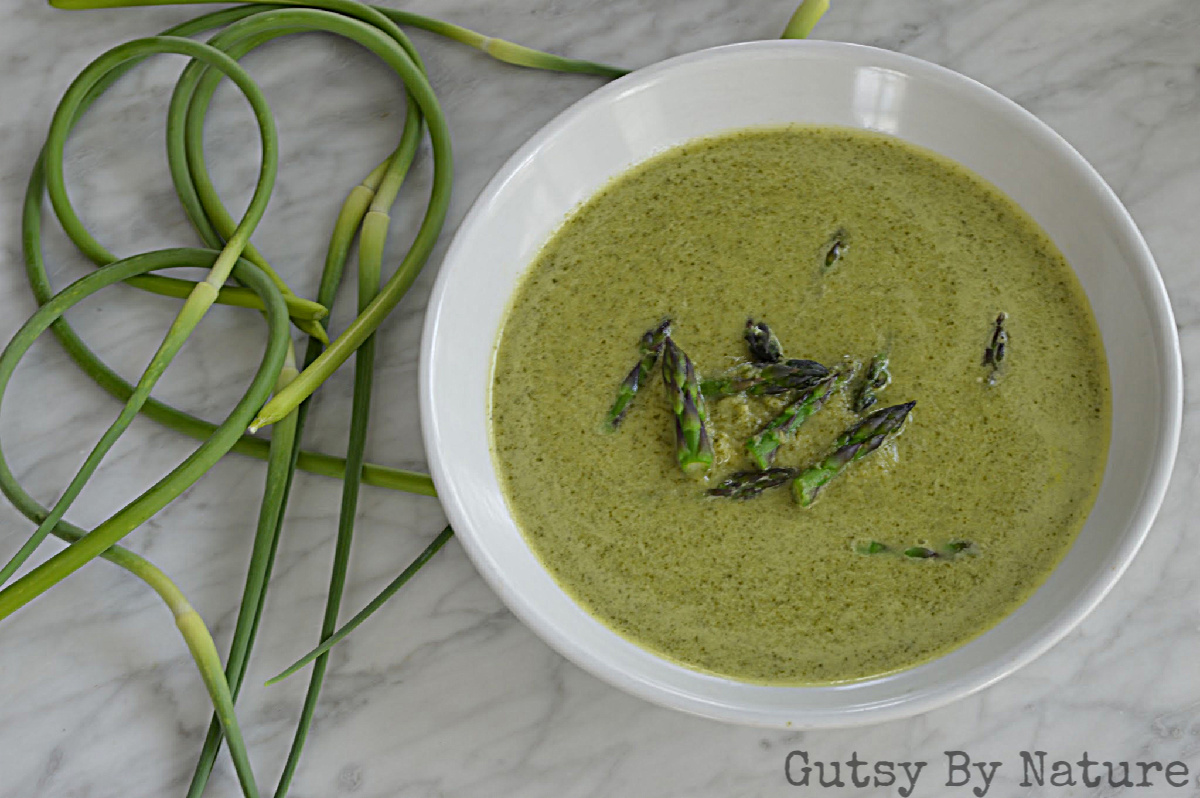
(771, 83)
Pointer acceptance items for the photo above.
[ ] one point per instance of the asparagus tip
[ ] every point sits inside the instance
(693, 445)
(649, 347)
(836, 249)
(997, 348)
(749, 484)
(763, 345)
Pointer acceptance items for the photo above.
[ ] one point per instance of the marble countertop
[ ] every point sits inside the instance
(444, 692)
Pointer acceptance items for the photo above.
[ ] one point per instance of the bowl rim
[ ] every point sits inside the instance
(1165, 343)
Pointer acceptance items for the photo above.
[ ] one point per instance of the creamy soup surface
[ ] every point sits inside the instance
(737, 226)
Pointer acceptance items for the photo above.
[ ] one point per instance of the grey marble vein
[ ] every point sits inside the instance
(444, 693)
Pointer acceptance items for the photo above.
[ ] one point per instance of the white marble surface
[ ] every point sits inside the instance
(444, 693)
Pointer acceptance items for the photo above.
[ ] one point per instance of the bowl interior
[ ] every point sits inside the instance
(771, 83)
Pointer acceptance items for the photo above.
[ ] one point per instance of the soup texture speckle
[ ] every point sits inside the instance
(736, 226)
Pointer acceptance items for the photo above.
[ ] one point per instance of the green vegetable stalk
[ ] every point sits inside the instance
(997, 350)
(649, 348)
(499, 49)
(766, 380)
(280, 469)
(805, 19)
(763, 345)
(749, 484)
(373, 237)
(835, 251)
(876, 379)
(854, 444)
(373, 605)
(763, 446)
(871, 547)
(203, 294)
(693, 445)
(946, 551)
(230, 255)
(85, 546)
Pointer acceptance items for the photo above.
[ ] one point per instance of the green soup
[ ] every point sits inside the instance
(737, 226)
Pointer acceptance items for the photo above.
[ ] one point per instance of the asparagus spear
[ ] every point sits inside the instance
(950, 549)
(764, 346)
(693, 445)
(837, 249)
(764, 380)
(649, 347)
(871, 547)
(994, 355)
(748, 484)
(854, 444)
(762, 447)
(877, 378)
